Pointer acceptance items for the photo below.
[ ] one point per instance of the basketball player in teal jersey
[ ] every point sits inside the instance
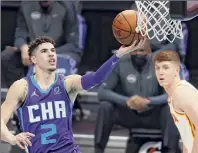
(44, 100)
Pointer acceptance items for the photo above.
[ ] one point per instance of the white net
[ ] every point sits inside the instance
(155, 22)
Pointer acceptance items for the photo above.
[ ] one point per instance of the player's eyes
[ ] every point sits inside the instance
(157, 68)
(43, 51)
(166, 67)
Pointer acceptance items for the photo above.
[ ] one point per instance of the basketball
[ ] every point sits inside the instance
(123, 27)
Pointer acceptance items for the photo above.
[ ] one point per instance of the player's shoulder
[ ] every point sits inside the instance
(18, 88)
(185, 92)
(20, 83)
(183, 84)
(184, 88)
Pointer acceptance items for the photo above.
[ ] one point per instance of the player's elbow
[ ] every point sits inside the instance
(3, 119)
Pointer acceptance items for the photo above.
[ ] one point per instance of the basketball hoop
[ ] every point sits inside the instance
(154, 21)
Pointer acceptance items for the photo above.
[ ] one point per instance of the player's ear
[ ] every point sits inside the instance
(33, 59)
(178, 69)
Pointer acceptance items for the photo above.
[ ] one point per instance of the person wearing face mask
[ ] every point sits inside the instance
(132, 98)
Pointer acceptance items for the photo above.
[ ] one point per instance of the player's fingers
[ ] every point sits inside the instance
(131, 48)
(123, 46)
(144, 40)
(28, 142)
(141, 42)
(133, 44)
(20, 145)
(26, 137)
(28, 134)
(22, 139)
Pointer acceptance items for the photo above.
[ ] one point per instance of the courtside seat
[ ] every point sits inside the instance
(148, 139)
(145, 133)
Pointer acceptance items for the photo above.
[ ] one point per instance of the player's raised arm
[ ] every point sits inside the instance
(16, 94)
(188, 102)
(90, 80)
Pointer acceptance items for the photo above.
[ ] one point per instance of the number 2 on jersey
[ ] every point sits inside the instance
(52, 131)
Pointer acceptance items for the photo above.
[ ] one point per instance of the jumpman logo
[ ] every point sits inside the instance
(34, 93)
(113, 63)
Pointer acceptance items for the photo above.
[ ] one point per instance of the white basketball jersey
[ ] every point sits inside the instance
(182, 121)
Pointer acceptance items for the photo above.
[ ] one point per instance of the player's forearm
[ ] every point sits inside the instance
(90, 80)
(195, 145)
(6, 135)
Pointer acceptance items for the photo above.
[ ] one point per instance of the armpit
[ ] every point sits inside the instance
(69, 84)
(25, 91)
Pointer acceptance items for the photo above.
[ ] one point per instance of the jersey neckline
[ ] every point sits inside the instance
(39, 88)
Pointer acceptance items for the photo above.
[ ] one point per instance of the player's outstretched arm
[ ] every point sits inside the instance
(188, 102)
(16, 94)
(77, 83)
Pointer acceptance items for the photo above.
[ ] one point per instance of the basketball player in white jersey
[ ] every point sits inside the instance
(182, 98)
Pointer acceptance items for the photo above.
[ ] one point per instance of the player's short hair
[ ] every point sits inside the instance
(167, 55)
(38, 41)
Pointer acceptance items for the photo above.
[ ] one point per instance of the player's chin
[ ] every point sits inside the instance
(162, 83)
(52, 68)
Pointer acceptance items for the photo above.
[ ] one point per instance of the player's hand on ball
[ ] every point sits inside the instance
(22, 139)
(123, 50)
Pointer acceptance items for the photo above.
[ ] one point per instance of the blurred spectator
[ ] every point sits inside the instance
(45, 18)
(132, 98)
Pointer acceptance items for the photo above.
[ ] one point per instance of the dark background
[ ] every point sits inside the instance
(100, 40)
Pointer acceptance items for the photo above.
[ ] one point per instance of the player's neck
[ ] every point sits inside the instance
(45, 79)
(169, 89)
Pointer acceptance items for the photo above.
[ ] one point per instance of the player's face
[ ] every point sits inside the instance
(166, 72)
(45, 57)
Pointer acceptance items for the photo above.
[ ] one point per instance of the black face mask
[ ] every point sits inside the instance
(139, 61)
(45, 5)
